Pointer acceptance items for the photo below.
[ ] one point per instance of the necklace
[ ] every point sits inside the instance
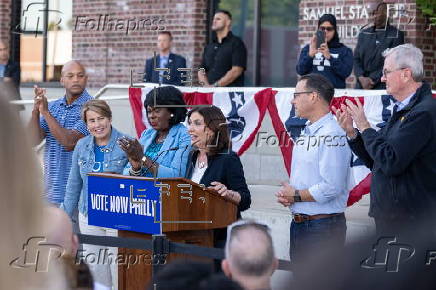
(103, 148)
(201, 164)
(161, 138)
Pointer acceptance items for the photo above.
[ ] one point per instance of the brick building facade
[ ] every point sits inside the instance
(351, 17)
(111, 53)
(5, 20)
(113, 37)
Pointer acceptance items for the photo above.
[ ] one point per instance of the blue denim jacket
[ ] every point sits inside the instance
(83, 161)
(171, 163)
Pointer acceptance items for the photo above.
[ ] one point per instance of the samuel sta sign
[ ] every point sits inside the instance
(124, 203)
(348, 14)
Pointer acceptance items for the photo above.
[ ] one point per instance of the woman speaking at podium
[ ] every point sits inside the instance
(162, 150)
(97, 152)
(212, 161)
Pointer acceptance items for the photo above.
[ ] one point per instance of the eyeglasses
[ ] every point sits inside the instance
(299, 93)
(326, 28)
(386, 72)
(245, 223)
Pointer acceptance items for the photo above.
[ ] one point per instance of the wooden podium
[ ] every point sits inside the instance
(189, 213)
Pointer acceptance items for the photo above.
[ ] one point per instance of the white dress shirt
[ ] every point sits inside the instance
(320, 163)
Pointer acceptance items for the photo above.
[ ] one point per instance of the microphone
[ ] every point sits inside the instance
(181, 156)
(153, 162)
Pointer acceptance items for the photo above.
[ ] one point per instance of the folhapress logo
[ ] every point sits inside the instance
(388, 254)
(38, 254)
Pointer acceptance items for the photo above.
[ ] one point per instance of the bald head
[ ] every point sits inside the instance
(250, 251)
(72, 65)
(74, 79)
(59, 230)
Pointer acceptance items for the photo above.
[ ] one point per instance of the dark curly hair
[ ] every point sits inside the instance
(171, 97)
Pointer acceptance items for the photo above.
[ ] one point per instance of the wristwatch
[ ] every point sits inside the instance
(297, 196)
(355, 136)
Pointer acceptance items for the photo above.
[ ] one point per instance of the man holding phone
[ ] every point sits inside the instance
(326, 55)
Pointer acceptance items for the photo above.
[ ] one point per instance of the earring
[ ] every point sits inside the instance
(172, 115)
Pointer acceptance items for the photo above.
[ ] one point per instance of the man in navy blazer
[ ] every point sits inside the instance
(165, 59)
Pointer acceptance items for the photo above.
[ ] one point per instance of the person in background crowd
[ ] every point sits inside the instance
(371, 42)
(163, 149)
(250, 258)
(181, 275)
(59, 123)
(401, 155)
(59, 232)
(10, 72)
(317, 191)
(332, 59)
(369, 263)
(97, 152)
(167, 60)
(20, 209)
(225, 58)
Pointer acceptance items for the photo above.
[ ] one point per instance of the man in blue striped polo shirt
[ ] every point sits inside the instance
(60, 124)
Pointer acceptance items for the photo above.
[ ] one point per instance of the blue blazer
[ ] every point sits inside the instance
(175, 61)
(171, 163)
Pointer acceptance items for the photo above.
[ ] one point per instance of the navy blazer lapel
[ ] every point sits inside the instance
(170, 60)
(155, 72)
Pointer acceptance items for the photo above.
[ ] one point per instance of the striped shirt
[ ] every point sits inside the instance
(57, 161)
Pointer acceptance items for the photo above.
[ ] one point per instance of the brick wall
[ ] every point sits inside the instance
(351, 16)
(109, 54)
(5, 20)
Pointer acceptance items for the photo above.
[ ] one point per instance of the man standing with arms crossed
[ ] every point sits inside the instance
(59, 123)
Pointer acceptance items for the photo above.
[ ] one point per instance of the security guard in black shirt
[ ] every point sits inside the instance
(225, 59)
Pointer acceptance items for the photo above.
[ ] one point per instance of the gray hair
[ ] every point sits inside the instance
(250, 249)
(408, 56)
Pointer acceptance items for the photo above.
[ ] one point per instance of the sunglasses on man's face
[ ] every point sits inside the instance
(326, 28)
(245, 223)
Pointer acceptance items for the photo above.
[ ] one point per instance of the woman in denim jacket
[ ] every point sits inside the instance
(163, 149)
(98, 152)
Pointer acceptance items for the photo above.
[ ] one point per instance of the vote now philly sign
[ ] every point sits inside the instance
(124, 203)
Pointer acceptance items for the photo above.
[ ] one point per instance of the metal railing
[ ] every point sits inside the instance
(98, 95)
(160, 246)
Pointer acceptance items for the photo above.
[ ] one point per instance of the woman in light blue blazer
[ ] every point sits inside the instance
(163, 149)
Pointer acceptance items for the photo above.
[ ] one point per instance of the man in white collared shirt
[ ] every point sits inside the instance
(317, 192)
